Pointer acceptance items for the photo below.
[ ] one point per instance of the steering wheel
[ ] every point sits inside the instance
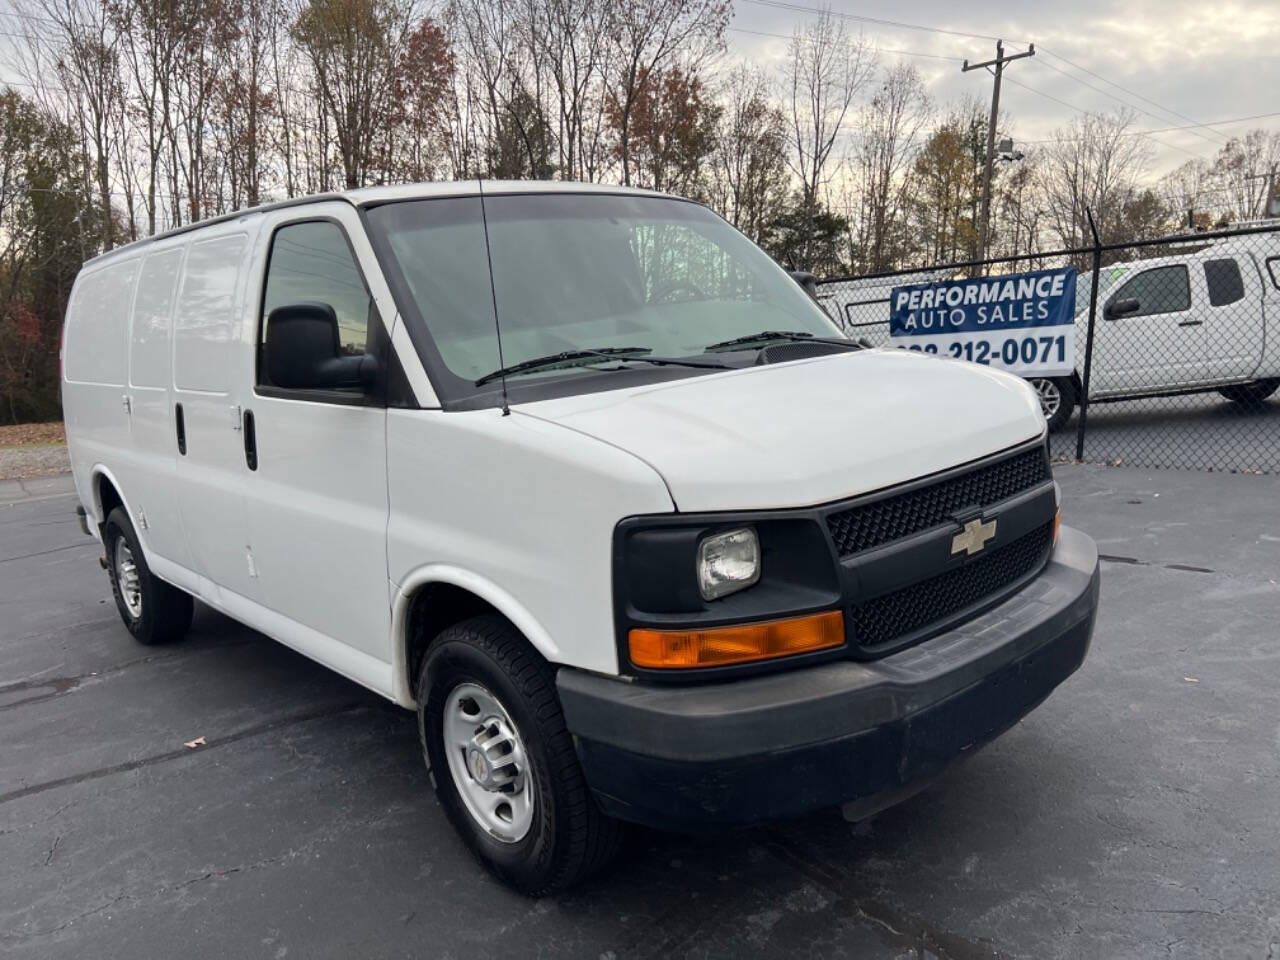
(663, 293)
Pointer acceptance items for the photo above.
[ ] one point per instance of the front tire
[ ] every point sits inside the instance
(153, 611)
(1251, 395)
(502, 763)
(1057, 399)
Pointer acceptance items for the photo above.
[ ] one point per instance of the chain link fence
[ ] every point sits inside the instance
(1177, 346)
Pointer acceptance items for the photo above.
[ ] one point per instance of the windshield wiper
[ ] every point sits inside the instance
(764, 336)
(568, 359)
(564, 359)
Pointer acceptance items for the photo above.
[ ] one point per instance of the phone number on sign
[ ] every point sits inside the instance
(1011, 351)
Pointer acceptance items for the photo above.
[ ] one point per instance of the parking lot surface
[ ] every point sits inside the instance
(1200, 431)
(1134, 814)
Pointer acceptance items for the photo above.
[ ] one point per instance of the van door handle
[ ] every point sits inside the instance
(180, 424)
(1190, 323)
(250, 441)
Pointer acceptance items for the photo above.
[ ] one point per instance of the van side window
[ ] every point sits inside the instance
(99, 316)
(1225, 283)
(1159, 290)
(204, 320)
(312, 261)
(152, 307)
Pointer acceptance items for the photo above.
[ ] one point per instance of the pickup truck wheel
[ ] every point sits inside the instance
(1251, 395)
(502, 763)
(152, 610)
(1057, 399)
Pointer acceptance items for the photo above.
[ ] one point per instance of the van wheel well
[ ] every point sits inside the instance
(108, 497)
(434, 608)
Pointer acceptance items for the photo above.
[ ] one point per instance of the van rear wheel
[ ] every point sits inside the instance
(152, 610)
(502, 763)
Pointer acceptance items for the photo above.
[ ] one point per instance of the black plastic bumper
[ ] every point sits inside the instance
(778, 746)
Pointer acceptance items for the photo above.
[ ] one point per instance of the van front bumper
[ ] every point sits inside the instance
(781, 745)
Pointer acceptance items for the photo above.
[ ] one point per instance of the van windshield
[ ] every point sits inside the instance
(578, 272)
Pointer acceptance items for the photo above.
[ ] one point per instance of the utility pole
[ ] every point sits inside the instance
(998, 63)
(1270, 201)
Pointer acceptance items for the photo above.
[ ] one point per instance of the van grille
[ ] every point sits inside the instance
(893, 615)
(892, 518)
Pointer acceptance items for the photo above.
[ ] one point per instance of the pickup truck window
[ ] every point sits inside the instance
(577, 272)
(1158, 290)
(1226, 286)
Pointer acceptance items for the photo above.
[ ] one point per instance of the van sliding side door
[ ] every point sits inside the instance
(210, 356)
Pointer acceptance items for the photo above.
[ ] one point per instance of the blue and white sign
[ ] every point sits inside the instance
(1023, 323)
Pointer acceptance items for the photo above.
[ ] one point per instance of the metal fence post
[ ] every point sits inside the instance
(1088, 342)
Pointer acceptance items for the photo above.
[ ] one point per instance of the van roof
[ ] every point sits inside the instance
(370, 196)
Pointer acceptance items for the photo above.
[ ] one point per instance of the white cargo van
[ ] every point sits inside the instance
(583, 477)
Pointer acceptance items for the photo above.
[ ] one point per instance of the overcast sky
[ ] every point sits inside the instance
(1205, 59)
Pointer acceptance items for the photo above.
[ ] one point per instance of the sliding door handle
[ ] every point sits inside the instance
(1190, 323)
(180, 425)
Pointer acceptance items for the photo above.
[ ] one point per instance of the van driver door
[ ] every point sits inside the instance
(316, 487)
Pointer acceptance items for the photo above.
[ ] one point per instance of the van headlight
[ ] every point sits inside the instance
(728, 562)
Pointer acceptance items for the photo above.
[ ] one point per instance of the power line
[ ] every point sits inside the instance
(1049, 96)
(839, 14)
(1142, 133)
(1133, 106)
(905, 53)
(1132, 93)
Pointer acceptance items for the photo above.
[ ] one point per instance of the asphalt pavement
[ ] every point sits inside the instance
(1200, 431)
(1134, 814)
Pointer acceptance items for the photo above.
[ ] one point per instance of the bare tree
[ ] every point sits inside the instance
(80, 45)
(890, 127)
(825, 70)
(750, 153)
(151, 37)
(354, 47)
(1092, 165)
(649, 35)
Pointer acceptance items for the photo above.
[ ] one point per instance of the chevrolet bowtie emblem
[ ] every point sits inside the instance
(973, 537)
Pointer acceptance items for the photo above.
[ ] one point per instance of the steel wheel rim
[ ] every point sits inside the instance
(488, 762)
(127, 578)
(1050, 396)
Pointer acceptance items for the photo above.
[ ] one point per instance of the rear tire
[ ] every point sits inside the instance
(529, 817)
(1057, 399)
(1251, 395)
(153, 611)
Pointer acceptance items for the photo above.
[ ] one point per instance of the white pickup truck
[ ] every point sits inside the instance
(1190, 323)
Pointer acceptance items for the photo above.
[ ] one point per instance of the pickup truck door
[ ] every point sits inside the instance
(315, 460)
(1159, 346)
(1233, 316)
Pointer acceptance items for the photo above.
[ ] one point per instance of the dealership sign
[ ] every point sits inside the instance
(1024, 323)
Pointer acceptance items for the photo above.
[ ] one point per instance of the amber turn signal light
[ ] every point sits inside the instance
(1057, 525)
(741, 643)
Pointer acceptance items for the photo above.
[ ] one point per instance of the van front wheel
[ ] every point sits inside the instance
(153, 611)
(502, 763)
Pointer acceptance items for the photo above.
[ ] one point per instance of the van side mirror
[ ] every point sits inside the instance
(304, 351)
(1121, 308)
(806, 280)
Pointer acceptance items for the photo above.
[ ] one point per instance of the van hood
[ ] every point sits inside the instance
(807, 432)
